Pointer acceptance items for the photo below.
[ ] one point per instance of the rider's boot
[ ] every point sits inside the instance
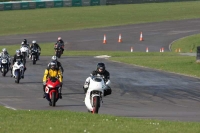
(44, 95)
(60, 95)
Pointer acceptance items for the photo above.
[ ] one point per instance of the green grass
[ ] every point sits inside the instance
(70, 18)
(187, 44)
(25, 121)
(185, 65)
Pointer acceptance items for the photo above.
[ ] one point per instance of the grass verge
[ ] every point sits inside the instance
(60, 19)
(186, 44)
(31, 121)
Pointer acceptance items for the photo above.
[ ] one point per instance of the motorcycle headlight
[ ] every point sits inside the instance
(4, 61)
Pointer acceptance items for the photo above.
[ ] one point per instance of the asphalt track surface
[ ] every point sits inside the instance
(137, 91)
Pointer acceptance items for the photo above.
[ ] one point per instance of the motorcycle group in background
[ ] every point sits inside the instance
(18, 66)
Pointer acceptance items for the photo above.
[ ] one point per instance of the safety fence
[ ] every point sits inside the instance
(19, 5)
(113, 2)
(33, 4)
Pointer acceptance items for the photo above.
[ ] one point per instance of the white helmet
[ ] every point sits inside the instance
(59, 38)
(22, 43)
(54, 58)
(18, 52)
(4, 50)
(34, 41)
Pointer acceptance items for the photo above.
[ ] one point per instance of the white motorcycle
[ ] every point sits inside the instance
(18, 71)
(25, 52)
(4, 64)
(95, 92)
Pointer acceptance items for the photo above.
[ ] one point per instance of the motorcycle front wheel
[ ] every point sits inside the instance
(96, 104)
(3, 71)
(34, 59)
(53, 99)
(58, 54)
(17, 78)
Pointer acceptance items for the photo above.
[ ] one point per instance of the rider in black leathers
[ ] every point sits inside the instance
(101, 70)
(25, 42)
(60, 41)
(35, 44)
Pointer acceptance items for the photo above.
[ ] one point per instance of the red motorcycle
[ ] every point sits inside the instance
(52, 89)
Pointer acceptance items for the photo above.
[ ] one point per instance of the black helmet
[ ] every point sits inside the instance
(53, 65)
(25, 41)
(101, 66)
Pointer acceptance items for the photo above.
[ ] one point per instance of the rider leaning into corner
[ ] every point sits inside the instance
(60, 41)
(35, 44)
(18, 57)
(101, 70)
(52, 71)
(5, 53)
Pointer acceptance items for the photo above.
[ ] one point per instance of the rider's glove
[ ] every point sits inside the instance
(86, 85)
(44, 82)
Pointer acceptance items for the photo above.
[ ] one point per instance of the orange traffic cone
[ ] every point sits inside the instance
(147, 50)
(141, 37)
(131, 49)
(120, 38)
(162, 49)
(104, 39)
